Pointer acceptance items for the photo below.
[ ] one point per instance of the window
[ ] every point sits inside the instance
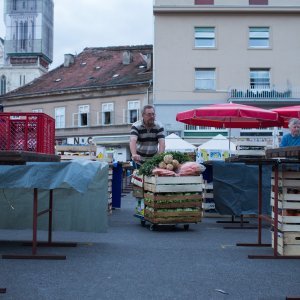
(205, 37)
(204, 2)
(37, 110)
(22, 80)
(82, 117)
(3, 85)
(23, 35)
(133, 111)
(107, 113)
(205, 79)
(259, 78)
(60, 117)
(259, 37)
(258, 2)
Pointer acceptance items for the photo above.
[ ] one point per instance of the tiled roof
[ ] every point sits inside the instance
(93, 68)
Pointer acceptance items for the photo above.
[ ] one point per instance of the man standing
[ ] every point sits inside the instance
(147, 136)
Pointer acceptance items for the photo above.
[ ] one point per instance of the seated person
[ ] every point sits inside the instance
(293, 137)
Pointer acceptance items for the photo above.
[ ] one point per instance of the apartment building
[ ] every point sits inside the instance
(217, 51)
(94, 96)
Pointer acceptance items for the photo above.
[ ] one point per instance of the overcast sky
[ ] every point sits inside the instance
(97, 23)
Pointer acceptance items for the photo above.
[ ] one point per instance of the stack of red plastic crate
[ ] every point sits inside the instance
(34, 132)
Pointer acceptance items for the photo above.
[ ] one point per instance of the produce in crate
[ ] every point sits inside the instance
(191, 169)
(171, 164)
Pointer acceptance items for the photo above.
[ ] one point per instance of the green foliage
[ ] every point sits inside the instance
(150, 164)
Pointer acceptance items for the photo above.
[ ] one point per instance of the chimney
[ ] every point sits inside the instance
(149, 61)
(127, 58)
(69, 60)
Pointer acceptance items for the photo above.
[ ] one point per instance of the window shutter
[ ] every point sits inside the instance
(88, 119)
(75, 120)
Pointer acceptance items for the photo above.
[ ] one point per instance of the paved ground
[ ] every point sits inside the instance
(132, 262)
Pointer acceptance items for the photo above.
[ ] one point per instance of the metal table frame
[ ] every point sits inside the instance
(275, 162)
(34, 242)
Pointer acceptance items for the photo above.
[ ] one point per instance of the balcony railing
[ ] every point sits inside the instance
(263, 93)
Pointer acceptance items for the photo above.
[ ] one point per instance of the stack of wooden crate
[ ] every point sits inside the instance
(109, 204)
(208, 204)
(138, 192)
(173, 200)
(288, 212)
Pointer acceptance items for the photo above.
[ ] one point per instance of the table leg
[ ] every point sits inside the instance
(34, 234)
(259, 212)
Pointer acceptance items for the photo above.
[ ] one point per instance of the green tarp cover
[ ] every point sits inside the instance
(80, 195)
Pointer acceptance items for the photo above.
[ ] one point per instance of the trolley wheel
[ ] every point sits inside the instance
(186, 226)
(143, 223)
(152, 227)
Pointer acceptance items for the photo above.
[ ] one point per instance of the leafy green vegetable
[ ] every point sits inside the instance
(149, 165)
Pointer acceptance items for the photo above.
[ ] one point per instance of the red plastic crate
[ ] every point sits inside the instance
(34, 132)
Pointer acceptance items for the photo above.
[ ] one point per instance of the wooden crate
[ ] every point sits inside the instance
(137, 179)
(288, 223)
(287, 180)
(137, 191)
(170, 221)
(179, 200)
(173, 214)
(160, 217)
(180, 184)
(288, 200)
(284, 204)
(288, 243)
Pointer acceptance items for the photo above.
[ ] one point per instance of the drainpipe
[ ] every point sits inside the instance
(150, 84)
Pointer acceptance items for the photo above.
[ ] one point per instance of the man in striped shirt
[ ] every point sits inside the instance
(147, 136)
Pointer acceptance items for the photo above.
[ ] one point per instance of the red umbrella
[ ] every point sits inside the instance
(287, 112)
(229, 115)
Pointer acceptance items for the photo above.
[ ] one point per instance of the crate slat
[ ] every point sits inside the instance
(286, 204)
(179, 180)
(167, 188)
(288, 219)
(173, 205)
(287, 196)
(166, 214)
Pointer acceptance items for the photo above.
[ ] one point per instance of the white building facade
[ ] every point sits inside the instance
(217, 51)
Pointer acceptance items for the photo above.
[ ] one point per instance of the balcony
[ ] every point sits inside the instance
(264, 94)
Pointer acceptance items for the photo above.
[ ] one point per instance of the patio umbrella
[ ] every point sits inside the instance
(286, 113)
(229, 115)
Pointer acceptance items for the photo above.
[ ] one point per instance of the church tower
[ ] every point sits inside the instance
(28, 44)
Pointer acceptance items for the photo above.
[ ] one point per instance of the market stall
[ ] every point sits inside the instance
(76, 189)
